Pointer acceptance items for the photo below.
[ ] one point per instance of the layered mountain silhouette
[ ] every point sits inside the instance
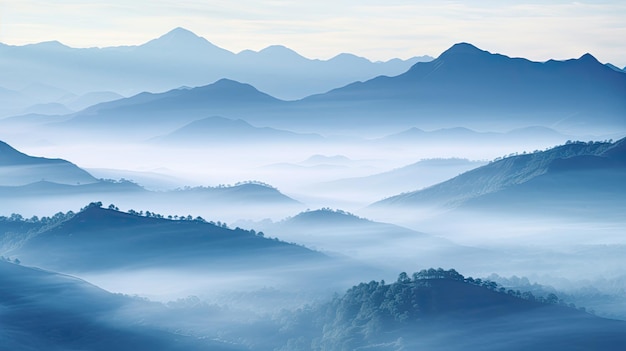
(180, 58)
(587, 176)
(219, 130)
(469, 87)
(98, 239)
(464, 87)
(17, 168)
(343, 233)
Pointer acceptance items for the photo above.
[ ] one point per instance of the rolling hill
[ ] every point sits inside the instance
(45, 310)
(99, 239)
(442, 310)
(568, 175)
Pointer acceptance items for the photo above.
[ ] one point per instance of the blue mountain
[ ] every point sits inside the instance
(566, 176)
(17, 168)
(469, 87)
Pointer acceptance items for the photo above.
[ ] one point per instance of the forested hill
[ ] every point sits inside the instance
(98, 238)
(442, 310)
(512, 171)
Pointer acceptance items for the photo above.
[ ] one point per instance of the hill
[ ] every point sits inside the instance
(45, 310)
(17, 168)
(575, 171)
(385, 245)
(98, 239)
(442, 310)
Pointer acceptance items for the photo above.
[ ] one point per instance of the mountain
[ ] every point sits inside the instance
(441, 310)
(178, 58)
(51, 311)
(17, 168)
(408, 178)
(222, 130)
(472, 88)
(570, 174)
(343, 233)
(149, 113)
(464, 87)
(99, 239)
(464, 135)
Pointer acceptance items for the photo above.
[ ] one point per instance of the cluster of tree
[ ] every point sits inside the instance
(571, 148)
(226, 186)
(57, 218)
(375, 312)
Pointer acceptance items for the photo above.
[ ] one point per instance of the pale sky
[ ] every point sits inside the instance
(376, 29)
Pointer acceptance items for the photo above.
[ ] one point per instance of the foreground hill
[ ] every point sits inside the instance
(574, 173)
(442, 310)
(99, 239)
(17, 168)
(41, 310)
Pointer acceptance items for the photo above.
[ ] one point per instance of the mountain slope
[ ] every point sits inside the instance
(97, 239)
(180, 58)
(222, 130)
(44, 310)
(578, 170)
(17, 168)
(387, 245)
(442, 310)
(490, 90)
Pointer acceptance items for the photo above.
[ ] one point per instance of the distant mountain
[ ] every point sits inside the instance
(408, 178)
(442, 310)
(99, 239)
(464, 135)
(615, 68)
(464, 87)
(343, 233)
(472, 88)
(17, 168)
(147, 113)
(58, 312)
(180, 57)
(222, 130)
(569, 175)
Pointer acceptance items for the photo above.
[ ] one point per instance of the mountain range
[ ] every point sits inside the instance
(177, 58)
(464, 87)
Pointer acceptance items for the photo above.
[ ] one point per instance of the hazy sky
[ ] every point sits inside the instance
(378, 30)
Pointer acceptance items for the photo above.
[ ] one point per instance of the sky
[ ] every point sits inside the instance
(376, 29)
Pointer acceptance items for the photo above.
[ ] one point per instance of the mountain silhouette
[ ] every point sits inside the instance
(178, 58)
(570, 174)
(96, 239)
(17, 168)
(469, 87)
(222, 130)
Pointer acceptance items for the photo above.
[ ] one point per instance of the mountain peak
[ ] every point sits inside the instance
(463, 48)
(588, 58)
